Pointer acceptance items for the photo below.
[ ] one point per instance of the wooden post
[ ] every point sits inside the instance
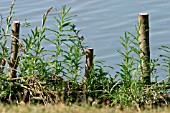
(89, 61)
(88, 66)
(14, 48)
(143, 22)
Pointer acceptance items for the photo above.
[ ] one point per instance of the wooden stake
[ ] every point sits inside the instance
(89, 61)
(143, 21)
(14, 48)
(88, 66)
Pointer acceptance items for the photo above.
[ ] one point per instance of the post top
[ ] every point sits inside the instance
(89, 48)
(16, 21)
(143, 14)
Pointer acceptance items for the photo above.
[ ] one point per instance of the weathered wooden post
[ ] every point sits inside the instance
(89, 61)
(14, 48)
(88, 67)
(143, 22)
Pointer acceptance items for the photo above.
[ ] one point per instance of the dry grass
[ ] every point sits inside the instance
(70, 109)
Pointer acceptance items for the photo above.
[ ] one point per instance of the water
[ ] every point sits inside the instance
(102, 22)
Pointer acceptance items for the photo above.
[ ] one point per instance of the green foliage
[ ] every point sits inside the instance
(166, 60)
(130, 89)
(4, 37)
(68, 49)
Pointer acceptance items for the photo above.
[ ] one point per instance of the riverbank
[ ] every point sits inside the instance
(72, 109)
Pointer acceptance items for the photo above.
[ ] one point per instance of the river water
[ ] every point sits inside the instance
(102, 22)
